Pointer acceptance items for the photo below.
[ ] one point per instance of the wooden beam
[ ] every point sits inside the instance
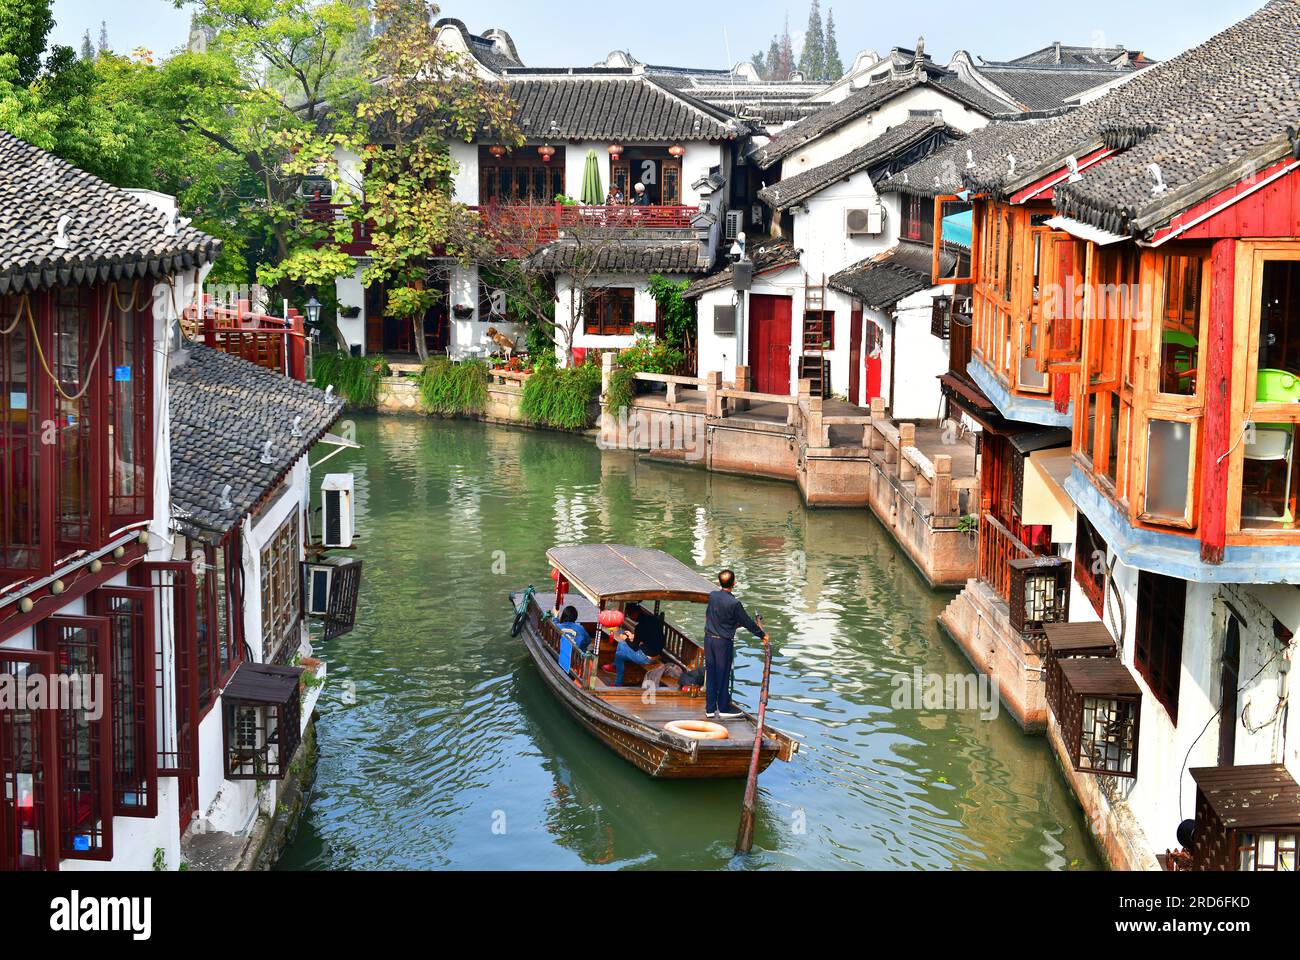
(1218, 406)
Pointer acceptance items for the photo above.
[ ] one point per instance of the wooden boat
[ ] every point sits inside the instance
(635, 581)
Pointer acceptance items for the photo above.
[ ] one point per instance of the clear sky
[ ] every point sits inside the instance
(696, 33)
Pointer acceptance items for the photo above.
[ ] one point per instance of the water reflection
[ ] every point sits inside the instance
(455, 754)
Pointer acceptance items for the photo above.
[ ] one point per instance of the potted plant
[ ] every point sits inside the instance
(462, 311)
(350, 313)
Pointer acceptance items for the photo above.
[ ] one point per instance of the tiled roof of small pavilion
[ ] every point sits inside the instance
(881, 281)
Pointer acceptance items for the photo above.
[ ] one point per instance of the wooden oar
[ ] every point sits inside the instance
(745, 835)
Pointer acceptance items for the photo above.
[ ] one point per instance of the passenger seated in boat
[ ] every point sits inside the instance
(626, 652)
(650, 634)
(568, 620)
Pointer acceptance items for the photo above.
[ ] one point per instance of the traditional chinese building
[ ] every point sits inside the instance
(1134, 289)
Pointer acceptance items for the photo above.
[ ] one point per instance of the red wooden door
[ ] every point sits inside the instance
(769, 342)
(874, 343)
(855, 353)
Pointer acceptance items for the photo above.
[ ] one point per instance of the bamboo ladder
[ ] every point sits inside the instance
(812, 360)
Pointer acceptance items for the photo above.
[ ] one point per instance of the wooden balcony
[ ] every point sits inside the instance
(522, 227)
(1035, 587)
(275, 343)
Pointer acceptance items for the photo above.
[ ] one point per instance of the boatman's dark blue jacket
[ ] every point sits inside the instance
(725, 614)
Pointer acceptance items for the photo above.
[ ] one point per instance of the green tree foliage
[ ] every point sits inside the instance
(812, 59)
(418, 97)
(773, 60)
(834, 65)
(24, 25)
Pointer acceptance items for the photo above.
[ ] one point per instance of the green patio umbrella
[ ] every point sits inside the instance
(592, 191)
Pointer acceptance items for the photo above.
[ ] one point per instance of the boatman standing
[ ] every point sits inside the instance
(722, 617)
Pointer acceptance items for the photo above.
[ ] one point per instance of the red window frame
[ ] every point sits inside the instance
(80, 492)
(130, 413)
(219, 635)
(600, 311)
(1158, 646)
(134, 683)
(827, 318)
(177, 715)
(81, 645)
(28, 748)
(1087, 542)
(25, 545)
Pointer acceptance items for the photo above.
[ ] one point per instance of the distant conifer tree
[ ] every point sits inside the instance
(103, 36)
(834, 65)
(87, 48)
(812, 59)
(786, 59)
(773, 59)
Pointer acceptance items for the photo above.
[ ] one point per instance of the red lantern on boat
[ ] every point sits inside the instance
(609, 619)
(546, 152)
(561, 585)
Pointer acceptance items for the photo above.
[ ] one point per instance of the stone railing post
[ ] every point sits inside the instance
(713, 402)
(871, 437)
(941, 494)
(906, 438)
(672, 393)
(815, 429)
(744, 381)
(608, 364)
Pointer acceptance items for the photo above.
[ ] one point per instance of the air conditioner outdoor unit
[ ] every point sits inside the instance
(735, 223)
(337, 504)
(864, 221)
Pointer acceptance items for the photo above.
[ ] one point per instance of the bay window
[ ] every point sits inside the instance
(1269, 484)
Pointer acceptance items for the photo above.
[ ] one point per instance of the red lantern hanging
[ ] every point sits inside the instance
(546, 151)
(497, 150)
(677, 150)
(561, 586)
(615, 150)
(609, 619)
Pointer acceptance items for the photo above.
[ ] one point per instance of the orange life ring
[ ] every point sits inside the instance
(697, 729)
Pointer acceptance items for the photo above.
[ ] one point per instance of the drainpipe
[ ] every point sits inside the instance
(893, 348)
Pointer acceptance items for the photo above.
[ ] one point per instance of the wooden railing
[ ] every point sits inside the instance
(275, 343)
(998, 547)
(520, 228)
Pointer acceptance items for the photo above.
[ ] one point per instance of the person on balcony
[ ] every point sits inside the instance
(722, 616)
(640, 198)
(615, 197)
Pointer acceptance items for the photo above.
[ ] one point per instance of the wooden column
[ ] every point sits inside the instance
(1217, 360)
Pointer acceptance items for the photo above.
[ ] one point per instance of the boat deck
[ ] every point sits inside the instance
(669, 706)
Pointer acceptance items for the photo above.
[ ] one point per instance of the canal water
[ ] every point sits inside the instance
(441, 747)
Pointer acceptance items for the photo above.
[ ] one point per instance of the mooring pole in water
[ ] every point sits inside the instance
(745, 836)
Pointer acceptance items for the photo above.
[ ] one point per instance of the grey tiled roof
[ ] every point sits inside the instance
(941, 172)
(496, 57)
(624, 256)
(223, 410)
(610, 104)
(1207, 118)
(111, 234)
(916, 135)
(881, 281)
(1044, 88)
(864, 101)
(1058, 54)
(772, 255)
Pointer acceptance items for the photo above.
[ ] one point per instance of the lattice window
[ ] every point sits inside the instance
(130, 613)
(130, 416)
(1100, 709)
(1267, 851)
(261, 721)
(85, 734)
(20, 449)
(1107, 742)
(1158, 647)
(281, 589)
(1090, 563)
(609, 311)
(1038, 593)
(28, 771)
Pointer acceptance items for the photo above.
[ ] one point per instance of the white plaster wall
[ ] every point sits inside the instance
(864, 129)
(921, 358)
(351, 293)
(465, 179)
(643, 310)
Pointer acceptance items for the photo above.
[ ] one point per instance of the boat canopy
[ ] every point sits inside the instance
(614, 572)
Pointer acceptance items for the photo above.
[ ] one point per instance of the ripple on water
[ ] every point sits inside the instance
(455, 754)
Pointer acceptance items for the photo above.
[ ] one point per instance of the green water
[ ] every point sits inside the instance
(454, 754)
